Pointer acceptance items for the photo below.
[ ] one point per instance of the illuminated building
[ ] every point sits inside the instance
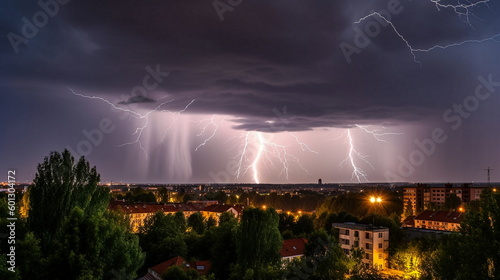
(373, 240)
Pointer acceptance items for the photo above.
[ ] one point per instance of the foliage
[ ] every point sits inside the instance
(258, 242)
(177, 273)
(161, 237)
(304, 225)
(196, 222)
(59, 186)
(452, 202)
(95, 246)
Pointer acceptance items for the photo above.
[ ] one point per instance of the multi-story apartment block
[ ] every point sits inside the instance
(422, 196)
(373, 240)
(439, 220)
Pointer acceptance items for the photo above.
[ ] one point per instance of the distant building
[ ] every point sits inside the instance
(138, 212)
(439, 220)
(214, 211)
(422, 196)
(156, 272)
(373, 240)
(320, 182)
(292, 249)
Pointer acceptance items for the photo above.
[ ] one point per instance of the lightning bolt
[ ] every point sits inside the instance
(462, 10)
(353, 153)
(255, 148)
(354, 156)
(209, 122)
(145, 116)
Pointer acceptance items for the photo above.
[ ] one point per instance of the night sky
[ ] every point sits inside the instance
(253, 91)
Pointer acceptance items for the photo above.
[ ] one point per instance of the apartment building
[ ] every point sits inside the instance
(373, 240)
(439, 220)
(423, 195)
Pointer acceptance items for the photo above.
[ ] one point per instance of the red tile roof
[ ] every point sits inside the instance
(133, 208)
(203, 267)
(409, 221)
(293, 247)
(219, 208)
(441, 216)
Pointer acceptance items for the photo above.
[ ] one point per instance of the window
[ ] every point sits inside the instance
(346, 251)
(344, 241)
(380, 235)
(380, 245)
(367, 256)
(368, 246)
(346, 232)
(356, 233)
(367, 235)
(356, 244)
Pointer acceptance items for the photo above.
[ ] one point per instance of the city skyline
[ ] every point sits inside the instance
(240, 92)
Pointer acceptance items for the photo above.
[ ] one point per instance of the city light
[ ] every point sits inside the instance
(264, 207)
(374, 199)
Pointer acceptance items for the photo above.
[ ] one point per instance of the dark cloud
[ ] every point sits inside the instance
(137, 99)
(262, 57)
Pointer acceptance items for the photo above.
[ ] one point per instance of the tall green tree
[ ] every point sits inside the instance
(196, 222)
(94, 247)
(161, 236)
(60, 185)
(78, 236)
(476, 250)
(258, 242)
(452, 202)
(223, 252)
(408, 209)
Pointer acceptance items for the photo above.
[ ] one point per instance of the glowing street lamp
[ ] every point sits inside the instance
(264, 207)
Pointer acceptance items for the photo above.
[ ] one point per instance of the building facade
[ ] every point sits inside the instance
(423, 196)
(373, 240)
(439, 220)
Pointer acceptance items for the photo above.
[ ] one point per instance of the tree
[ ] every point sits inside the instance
(476, 249)
(408, 209)
(211, 222)
(195, 221)
(452, 202)
(161, 237)
(323, 259)
(96, 246)
(224, 246)
(177, 273)
(258, 242)
(304, 225)
(59, 186)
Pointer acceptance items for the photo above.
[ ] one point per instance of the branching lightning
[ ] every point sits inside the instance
(255, 147)
(212, 122)
(463, 12)
(145, 116)
(355, 156)
(353, 153)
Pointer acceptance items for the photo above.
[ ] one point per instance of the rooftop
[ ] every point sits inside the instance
(441, 216)
(356, 226)
(293, 247)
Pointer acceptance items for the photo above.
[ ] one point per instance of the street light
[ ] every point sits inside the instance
(374, 200)
(264, 207)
